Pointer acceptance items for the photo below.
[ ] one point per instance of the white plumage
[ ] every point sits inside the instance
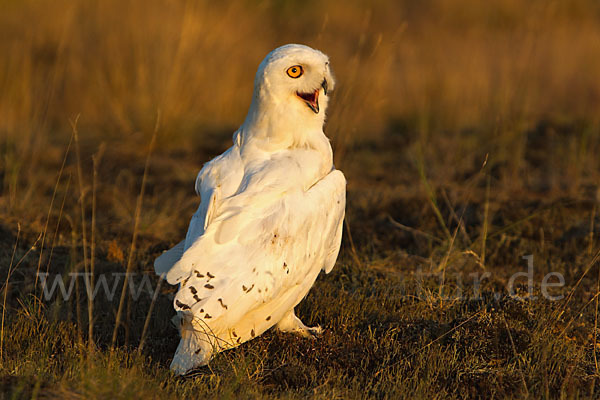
(270, 217)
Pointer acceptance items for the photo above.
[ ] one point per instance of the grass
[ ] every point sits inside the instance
(469, 135)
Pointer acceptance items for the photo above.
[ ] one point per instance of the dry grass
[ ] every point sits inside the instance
(468, 132)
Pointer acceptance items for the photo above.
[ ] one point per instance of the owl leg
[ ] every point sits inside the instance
(291, 323)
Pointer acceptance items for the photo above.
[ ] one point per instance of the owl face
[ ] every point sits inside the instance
(296, 77)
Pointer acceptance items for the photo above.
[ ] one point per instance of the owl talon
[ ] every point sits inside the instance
(311, 333)
(291, 323)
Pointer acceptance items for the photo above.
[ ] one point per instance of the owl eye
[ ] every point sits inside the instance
(295, 72)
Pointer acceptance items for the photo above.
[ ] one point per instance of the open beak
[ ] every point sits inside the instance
(312, 99)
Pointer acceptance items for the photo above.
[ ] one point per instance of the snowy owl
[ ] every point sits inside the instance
(270, 217)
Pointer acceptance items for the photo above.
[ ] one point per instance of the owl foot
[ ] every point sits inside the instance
(291, 323)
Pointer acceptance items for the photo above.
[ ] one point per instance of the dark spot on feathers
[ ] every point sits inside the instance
(202, 310)
(210, 275)
(207, 316)
(182, 305)
(268, 318)
(275, 235)
(209, 286)
(193, 290)
(238, 339)
(245, 289)
(222, 305)
(252, 333)
(198, 351)
(259, 291)
(234, 334)
(198, 274)
(185, 281)
(284, 264)
(198, 299)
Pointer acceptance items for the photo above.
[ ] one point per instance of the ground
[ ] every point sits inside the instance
(469, 261)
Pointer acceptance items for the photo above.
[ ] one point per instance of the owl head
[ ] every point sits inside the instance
(295, 79)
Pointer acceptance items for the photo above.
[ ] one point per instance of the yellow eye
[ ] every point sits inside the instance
(295, 71)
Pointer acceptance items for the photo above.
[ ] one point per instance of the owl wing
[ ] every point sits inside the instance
(335, 242)
(166, 260)
(259, 244)
(223, 173)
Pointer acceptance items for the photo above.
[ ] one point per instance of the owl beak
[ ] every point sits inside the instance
(311, 100)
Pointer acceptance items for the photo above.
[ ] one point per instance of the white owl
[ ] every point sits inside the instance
(270, 217)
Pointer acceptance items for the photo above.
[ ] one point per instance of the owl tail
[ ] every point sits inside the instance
(194, 349)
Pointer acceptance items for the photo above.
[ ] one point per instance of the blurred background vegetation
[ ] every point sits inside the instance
(469, 132)
(473, 74)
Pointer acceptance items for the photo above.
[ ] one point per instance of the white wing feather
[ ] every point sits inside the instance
(166, 260)
(218, 178)
(262, 242)
(221, 176)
